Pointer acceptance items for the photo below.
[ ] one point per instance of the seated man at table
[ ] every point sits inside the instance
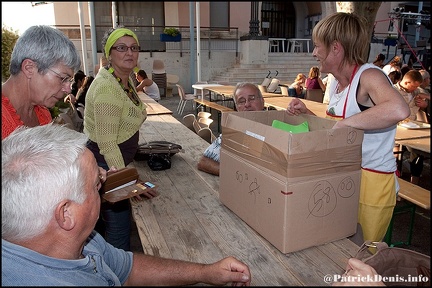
(50, 205)
(409, 88)
(247, 97)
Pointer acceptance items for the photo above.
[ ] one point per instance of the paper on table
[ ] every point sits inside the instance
(409, 125)
(415, 125)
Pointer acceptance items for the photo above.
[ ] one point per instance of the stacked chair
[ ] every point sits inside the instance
(200, 125)
(159, 76)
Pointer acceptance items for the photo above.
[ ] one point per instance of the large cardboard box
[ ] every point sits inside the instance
(296, 190)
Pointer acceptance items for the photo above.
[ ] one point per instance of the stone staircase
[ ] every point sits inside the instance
(288, 65)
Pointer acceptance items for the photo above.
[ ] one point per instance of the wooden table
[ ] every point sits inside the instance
(223, 90)
(271, 95)
(153, 107)
(403, 133)
(421, 144)
(281, 103)
(187, 221)
(203, 87)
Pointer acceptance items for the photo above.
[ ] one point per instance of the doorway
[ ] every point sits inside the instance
(278, 19)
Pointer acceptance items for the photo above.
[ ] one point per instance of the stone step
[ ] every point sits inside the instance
(287, 65)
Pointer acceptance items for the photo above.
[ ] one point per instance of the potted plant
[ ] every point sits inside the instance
(170, 35)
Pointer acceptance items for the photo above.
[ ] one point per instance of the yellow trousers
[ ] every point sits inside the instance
(377, 201)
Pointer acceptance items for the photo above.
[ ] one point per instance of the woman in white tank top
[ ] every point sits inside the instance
(147, 85)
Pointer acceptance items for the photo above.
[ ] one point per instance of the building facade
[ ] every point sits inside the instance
(213, 43)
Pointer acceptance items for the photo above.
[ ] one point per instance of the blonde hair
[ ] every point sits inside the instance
(396, 61)
(299, 77)
(314, 72)
(349, 30)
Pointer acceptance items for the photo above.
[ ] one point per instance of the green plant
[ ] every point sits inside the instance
(9, 38)
(171, 31)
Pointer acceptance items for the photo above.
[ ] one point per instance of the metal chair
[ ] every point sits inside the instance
(284, 90)
(203, 114)
(296, 46)
(197, 126)
(158, 67)
(273, 45)
(274, 85)
(184, 98)
(205, 121)
(188, 121)
(206, 134)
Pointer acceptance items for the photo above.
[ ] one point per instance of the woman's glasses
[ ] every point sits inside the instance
(64, 79)
(124, 48)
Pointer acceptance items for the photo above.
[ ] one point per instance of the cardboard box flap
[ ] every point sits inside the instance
(250, 135)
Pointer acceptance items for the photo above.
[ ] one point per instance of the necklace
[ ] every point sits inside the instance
(130, 92)
(339, 95)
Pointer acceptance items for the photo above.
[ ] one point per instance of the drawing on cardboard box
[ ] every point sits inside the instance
(296, 190)
(323, 199)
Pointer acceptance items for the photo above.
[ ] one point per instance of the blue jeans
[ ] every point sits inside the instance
(117, 220)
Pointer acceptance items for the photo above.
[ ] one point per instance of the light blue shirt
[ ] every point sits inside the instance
(102, 265)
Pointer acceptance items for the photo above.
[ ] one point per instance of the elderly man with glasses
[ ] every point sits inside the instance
(247, 97)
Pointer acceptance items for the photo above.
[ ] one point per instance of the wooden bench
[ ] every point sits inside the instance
(213, 105)
(414, 196)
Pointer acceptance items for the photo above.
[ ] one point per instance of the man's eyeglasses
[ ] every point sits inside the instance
(64, 79)
(124, 48)
(242, 101)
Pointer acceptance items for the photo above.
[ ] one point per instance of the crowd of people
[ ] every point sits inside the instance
(62, 170)
(59, 225)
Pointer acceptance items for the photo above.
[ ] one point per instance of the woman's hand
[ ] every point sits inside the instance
(70, 98)
(103, 173)
(296, 107)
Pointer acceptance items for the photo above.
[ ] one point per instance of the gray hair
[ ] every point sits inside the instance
(46, 46)
(425, 74)
(40, 167)
(243, 85)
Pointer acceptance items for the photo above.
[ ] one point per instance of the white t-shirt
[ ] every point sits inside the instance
(152, 91)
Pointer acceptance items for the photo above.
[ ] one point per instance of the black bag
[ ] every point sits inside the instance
(158, 162)
(157, 153)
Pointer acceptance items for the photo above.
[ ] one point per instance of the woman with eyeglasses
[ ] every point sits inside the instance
(112, 119)
(42, 66)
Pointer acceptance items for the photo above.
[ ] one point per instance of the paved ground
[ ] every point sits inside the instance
(421, 235)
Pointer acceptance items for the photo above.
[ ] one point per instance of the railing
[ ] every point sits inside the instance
(212, 39)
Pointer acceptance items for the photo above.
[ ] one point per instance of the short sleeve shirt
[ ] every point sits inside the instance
(102, 265)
